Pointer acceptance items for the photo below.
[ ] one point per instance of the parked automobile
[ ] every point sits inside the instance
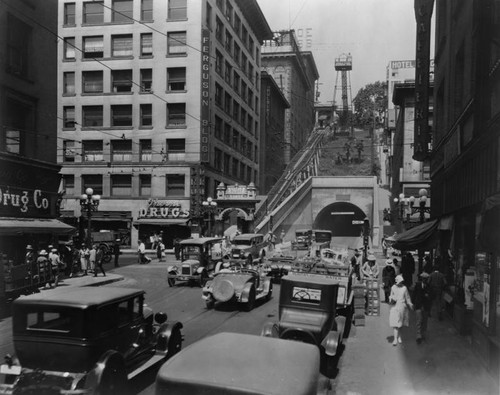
(79, 341)
(248, 247)
(307, 314)
(199, 258)
(321, 239)
(244, 285)
(236, 364)
(303, 239)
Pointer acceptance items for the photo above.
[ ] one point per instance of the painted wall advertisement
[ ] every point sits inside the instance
(205, 96)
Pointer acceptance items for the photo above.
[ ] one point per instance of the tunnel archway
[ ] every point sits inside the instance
(343, 219)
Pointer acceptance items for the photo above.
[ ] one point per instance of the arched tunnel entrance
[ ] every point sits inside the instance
(344, 220)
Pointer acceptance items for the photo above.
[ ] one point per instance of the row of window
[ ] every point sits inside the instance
(227, 164)
(121, 115)
(122, 81)
(122, 46)
(120, 185)
(231, 137)
(231, 107)
(121, 150)
(122, 11)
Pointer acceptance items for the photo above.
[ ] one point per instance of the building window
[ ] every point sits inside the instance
(228, 72)
(176, 114)
(18, 47)
(251, 47)
(237, 53)
(146, 80)
(244, 61)
(18, 120)
(93, 181)
(69, 152)
(218, 128)
(218, 62)
(147, 44)
(175, 185)
(219, 29)
(236, 82)
(234, 167)
(244, 92)
(176, 43)
(235, 139)
(69, 14)
(227, 103)
(92, 116)
(123, 11)
(218, 94)
(236, 111)
(227, 163)
(69, 83)
(69, 117)
(121, 115)
(243, 117)
(121, 150)
(176, 79)
(93, 12)
(227, 133)
(176, 146)
(121, 185)
(177, 9)
(145, 151)
(208, 17)
(237, 25)
(244, 35)
(121, 81)
(146, 115)
(146, 10)
(229, 11)
(145, 184)
(229, 42)
(93, 47)
(92, 81)
(69, 184)
(92, 151)
(121, 46)
(217, 159)
(69, 48)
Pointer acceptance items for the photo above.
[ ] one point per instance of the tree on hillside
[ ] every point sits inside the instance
(370, 103)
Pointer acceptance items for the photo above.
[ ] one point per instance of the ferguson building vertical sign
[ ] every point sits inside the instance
(205, 95)
(423, 13)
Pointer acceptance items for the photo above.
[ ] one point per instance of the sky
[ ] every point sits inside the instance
(374, 32)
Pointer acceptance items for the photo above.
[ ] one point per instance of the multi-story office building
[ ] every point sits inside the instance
(159, 103)
(272, 141)
(465, 167)
(295, 73)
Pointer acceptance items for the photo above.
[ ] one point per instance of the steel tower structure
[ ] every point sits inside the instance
(343, 66)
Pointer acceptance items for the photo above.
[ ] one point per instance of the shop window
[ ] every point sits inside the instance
(176, 43)
(121, 185)
(69, 184)
(121, 115)
(177, 9)
(69, 117)
(69, 48)
(92, 81)
(176, 114)
(121, 150)
(146, 115)
(147, 44)
(19, 55)
(69, 152)
(92, 151)
(176, 79)
(175, 185)
(147, 80)
(145, 151)
(176, 149)
(123, 11)
(92, 116)
(121, 81)
(93, 181)
(93, 12)
(69, 14)
(145, 184)
(121, 46)
(93, 47)
(146, 10)
(69, 83)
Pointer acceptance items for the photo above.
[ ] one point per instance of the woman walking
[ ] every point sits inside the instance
(399, 315)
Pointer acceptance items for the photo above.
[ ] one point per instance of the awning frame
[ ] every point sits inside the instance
(19, 226)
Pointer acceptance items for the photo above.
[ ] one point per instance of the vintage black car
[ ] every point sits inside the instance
(307, 314)
(237, 364)
(199, 259)
(84, 340)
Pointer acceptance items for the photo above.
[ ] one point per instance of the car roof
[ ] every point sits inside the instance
(78, 297)
(199, 241)
(246, 236)
(241, 364)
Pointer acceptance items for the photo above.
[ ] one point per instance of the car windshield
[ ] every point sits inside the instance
(191, 249)
(243, 242)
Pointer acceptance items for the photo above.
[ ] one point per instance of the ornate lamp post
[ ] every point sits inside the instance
(88, 203)
(209, 206)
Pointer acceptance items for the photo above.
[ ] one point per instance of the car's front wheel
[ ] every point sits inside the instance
(171, 281)
(270, 293)
(210, 303)
(109, 376)
(251, 300)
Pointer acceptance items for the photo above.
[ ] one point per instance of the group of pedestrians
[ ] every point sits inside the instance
(91, 260)
(45, 265)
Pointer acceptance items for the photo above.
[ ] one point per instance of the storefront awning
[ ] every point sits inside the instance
(15, 226)
(421, 236)
(160, 221)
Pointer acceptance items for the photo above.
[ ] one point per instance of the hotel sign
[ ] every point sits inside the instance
(157, 208)
(205, 95)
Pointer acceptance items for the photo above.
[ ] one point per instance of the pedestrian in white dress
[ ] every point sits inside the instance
(399, 315)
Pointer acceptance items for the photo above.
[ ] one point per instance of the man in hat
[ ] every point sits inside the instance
(422, 301)
(43, 265)
(116, 251)
(356, 260)
(388, 278)
(55, 263)
(30, 260)
(370, 270)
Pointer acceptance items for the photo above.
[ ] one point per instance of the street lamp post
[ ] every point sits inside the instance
(209, 206)
(88, 203)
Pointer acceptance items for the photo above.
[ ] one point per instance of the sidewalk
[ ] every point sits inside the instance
(444, 363)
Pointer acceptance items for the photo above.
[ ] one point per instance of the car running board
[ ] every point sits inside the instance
(148, 364)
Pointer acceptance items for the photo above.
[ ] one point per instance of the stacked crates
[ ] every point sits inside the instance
(373, 296)
(359, 291)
